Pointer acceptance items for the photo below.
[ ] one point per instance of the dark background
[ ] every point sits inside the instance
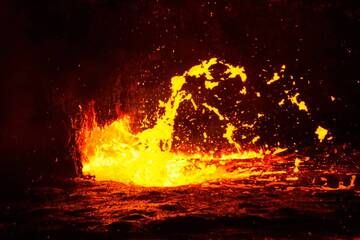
(57, 55)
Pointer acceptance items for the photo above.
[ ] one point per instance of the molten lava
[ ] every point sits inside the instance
(149, 157)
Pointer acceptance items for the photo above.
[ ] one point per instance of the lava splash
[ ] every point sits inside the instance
(162, 155)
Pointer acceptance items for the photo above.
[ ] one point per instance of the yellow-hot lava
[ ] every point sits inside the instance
(147, 158)
(321, 133)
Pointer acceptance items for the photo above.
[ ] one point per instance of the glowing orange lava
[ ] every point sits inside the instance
(148, 157)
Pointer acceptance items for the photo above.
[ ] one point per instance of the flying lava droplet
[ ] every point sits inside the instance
(321, 133)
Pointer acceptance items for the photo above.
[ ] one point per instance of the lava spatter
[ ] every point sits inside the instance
(148, 157)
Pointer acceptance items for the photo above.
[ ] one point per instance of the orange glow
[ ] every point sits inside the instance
(148, 157)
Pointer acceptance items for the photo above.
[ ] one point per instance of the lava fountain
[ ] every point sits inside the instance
(161, 155)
